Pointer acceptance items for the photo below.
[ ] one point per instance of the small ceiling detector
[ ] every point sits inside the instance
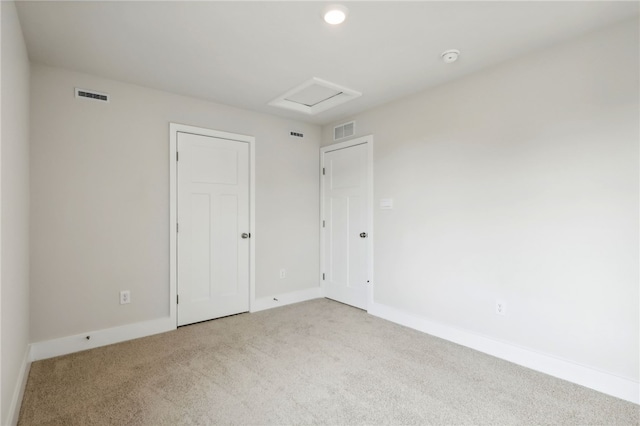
(450, 56)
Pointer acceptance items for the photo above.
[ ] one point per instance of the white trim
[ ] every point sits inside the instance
(371, 233)
(368, 140)
(79, 342)
(252, 223)
(21, 385)
(583, 375)
(174, 128)
(173, 221)
(286, 299)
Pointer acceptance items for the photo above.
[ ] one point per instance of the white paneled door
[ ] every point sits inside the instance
(346, 224)
(213, 227)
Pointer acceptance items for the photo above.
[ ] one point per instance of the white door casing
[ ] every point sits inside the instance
(212, 207)
(346, 215)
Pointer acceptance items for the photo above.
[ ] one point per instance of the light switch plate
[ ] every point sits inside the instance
(386, 203)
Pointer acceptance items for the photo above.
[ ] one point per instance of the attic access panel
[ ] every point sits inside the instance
(314, 96)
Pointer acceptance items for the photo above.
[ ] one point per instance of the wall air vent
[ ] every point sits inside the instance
(314, 96)
(92, 94)
(344, 130)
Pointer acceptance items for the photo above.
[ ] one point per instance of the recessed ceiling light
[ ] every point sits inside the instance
(450, 56)
(335, 14)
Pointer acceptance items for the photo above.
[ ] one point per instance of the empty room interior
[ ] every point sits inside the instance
(319, 213)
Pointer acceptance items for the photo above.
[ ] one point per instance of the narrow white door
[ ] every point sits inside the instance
(346, 227)
(213, 227)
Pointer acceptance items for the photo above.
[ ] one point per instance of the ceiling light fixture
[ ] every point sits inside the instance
(450, 56)
(335, 14)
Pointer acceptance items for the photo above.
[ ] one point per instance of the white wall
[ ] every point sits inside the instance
(518, 183)
(14, 210)
(100, 200)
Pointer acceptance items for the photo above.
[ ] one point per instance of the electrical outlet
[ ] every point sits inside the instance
(501, 307)
(125, 297)
(283, 273)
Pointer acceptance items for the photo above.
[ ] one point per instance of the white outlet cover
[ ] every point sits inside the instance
(501, 307)
(125, 297)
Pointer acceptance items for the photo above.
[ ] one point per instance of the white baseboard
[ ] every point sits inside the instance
(18, 392)
(589, 377)
(286, 299)
(79, 342)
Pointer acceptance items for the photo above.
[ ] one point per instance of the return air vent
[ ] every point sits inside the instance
(314, 96)
(344, 130)
(91, 94)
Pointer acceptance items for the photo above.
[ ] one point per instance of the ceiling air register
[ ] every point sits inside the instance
(314, 96)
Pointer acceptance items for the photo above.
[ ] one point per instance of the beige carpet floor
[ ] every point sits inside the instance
(317, 362)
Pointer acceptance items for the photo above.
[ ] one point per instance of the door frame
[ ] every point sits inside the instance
(364, 140)
(174, 129)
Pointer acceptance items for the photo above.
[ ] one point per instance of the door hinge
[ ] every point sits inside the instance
(323, 276)
(323, 224)
(177, 227)
(176, 155)
(323, 171)
(177, 299)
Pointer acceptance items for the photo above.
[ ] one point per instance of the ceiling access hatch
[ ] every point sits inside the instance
(314, 96)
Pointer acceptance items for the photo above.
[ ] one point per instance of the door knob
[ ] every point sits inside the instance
(245, 235)
(363, 235)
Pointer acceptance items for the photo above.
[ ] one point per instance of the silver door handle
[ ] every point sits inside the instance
(245, 235)
(363, 235)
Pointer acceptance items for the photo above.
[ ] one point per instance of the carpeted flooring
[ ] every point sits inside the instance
(317, 362)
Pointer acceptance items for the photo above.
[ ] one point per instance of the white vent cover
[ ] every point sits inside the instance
(92, 94)
(314, 96)
(344, 130)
